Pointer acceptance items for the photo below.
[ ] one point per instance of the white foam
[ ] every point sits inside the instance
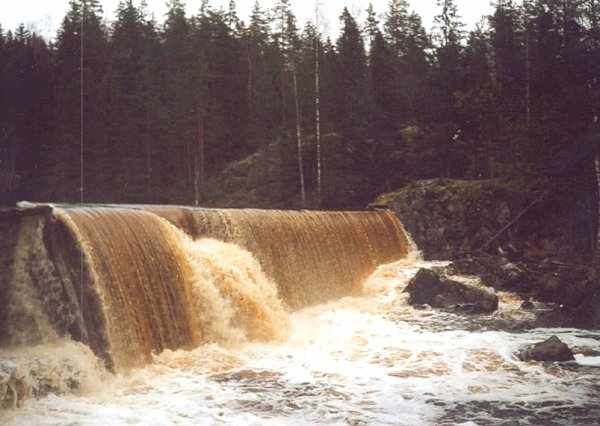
(367, 360)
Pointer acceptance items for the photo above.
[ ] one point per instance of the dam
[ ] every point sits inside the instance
(129, 281)
(137, 315)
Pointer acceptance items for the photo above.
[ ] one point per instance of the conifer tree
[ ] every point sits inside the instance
(81, 60)
(352, 74)
(371, 24)
(407, 43)
(134, 104)
(177, 65)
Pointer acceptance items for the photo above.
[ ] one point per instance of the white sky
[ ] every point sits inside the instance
(45, 16)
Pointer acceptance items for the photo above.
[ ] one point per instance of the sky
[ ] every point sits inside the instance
(45, 16)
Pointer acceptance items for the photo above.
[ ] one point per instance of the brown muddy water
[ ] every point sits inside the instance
(233, 346)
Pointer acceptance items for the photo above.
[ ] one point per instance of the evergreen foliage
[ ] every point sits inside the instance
(167, 108)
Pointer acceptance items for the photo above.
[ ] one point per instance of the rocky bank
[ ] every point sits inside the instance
(544, 255)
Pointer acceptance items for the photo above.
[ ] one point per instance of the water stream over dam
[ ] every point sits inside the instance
(129, 281)
(171, 315)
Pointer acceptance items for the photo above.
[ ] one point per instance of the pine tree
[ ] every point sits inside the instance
(134, 103)
(371, 24)
(449, 78)
(80, 158)
(381, 78)
(476, 106)
(449, 50)
(178, 99)
(352, 89)
(396, 26)
(283, 18)
(262, 71)
(417, 70)
(509, 72)
(407, 43)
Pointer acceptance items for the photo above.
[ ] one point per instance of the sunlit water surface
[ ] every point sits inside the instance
(357, 361)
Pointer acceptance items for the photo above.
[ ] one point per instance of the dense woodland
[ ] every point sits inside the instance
(163, 108)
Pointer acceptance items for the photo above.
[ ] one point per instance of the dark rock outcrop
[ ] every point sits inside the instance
(496, 271)
(448, 218)
(548, 281)
(432, 287)
(550, 350)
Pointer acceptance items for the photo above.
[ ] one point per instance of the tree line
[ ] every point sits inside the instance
(141, 112)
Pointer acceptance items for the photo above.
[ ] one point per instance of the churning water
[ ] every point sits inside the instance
(234, 318)
(368, 359)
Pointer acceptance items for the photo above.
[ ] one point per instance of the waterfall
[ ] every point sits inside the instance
(133, 281)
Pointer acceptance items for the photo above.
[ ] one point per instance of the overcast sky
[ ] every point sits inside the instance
(46, 15)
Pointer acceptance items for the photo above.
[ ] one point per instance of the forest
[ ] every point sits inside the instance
(125, 109)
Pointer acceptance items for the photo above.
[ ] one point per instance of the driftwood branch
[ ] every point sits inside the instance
(515, 220)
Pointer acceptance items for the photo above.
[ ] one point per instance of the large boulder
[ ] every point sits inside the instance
(552, 350)
(432, 287)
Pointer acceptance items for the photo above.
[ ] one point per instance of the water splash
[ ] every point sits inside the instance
(358, 360)
(232, 299)
(127, 283)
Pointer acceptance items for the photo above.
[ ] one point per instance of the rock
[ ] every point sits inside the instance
(450, 217)
(495, 271)
(446, 216)
(422, 307)
(527, 305)
(551, 350)
(432, 287)
(14, 385)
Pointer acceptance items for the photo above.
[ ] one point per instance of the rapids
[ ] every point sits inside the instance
(366, 359)
(144, 315)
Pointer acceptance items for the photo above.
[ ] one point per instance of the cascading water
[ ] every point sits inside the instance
(131, 281)
(232, 299)
(250, 317)
(312, 256)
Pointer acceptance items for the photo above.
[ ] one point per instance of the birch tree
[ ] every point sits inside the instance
(318, 105)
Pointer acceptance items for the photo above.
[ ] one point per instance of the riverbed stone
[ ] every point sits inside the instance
(14, 385)
(550, 350)
(432, 287)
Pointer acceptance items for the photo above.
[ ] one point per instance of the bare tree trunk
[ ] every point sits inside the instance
(202, 160)
(597, 248)
(299, 137)
(189, 158)
(199, 162)
(283, 73)
(528, 85)
(490, 159)
(196, 176)
(318, 110)
(250, 81)
(149, 197)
